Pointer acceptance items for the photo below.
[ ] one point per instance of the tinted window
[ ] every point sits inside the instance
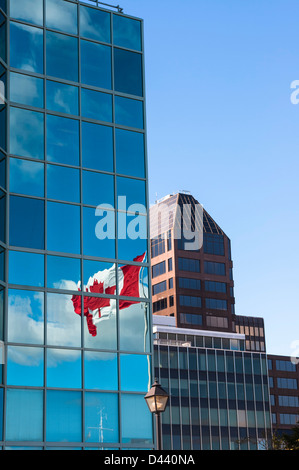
(64, 416)
(63, 224)
(25, 366)
(61, 15)
(95, 64)
(63, 273)
(62, 98)
(26, 48)
(107, 363)
(26, 177)
(97, 147)
(94, 24)
(27, 137)
(26, 222)
(129, 112)
(96, 105)
(91, 184)
(30, 11)
(19, 272)
(96, 418)
(137, 425)
(134, 192)
(126, 32)
(26, 90)
(24, 419)
(63, 183)
(128, 72)
(63, 368)
(99, 233)
(129, 153)
(25, 309)
(62, 140)
(62, 56)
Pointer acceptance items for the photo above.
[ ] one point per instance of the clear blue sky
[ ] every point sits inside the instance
(221, 124)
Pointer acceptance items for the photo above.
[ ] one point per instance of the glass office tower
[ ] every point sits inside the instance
(74, 294)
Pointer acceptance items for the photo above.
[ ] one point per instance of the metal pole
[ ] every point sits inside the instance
(158, 432)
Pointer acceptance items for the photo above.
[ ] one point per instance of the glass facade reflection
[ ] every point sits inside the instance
(74, 296)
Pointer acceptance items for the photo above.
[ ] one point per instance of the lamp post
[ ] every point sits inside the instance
(156, 400)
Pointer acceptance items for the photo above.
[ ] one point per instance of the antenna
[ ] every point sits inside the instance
(119, 9)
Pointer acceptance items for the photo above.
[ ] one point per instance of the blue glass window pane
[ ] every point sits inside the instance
(63, 323)
(95, 64)
(30, 11)
(27, 90)
(62, 56)
(26, 177)
(97, 147)
(137, 426)
(134, 192)
(62, 98)
(62, 140)
(101, 417)
(133, 242)
(100, 370)
(63, 222)
(129, 112)
(2, 216)
(95, 225)
(96, 105)
(24, 419)
(128, 72)
(62, 16)
(25, 366)
(129, 153)
(131, 381)
(133, 321)
(99, 268)
(27, 222)
(63, 183)
(27, 137)
(98, 189)
(63, 273)
(100, 325)
(94, 24)
(3, 127)
(25, 316)
(19, 272)
(3, 173)
(127, 32)
(64, 416)
(3, 42)
(2, 278)
(1, 413)
(26, 48)
(64, 368)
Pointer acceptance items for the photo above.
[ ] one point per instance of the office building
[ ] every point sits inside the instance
(194, 285)
(284, 393)
(194, 323)
(72, 163)
(219, 394)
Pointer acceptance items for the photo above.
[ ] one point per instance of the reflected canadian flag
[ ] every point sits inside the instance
(104, 282)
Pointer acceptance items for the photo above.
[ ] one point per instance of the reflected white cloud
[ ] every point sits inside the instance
(25, 321)
(63, 326)
(61, 16)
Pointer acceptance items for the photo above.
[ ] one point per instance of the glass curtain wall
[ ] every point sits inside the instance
(73, 208)
(219, 400)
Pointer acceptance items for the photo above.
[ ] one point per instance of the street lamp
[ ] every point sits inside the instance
(156, 400)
